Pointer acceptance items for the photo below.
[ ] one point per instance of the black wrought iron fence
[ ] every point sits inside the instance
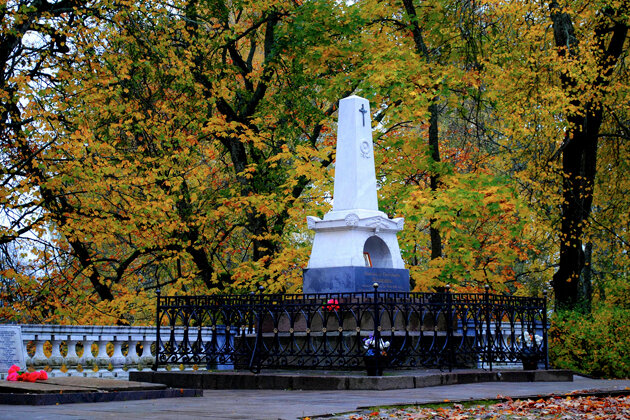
(330, 331)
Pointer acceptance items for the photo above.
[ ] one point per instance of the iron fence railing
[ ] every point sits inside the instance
(328, 331)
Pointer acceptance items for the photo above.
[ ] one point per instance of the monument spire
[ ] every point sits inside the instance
(355, 244)
(355, 179)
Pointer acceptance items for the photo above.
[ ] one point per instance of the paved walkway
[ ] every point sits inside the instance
(274, 404)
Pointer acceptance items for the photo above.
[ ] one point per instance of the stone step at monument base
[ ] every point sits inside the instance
(343, 380)
(82, 390)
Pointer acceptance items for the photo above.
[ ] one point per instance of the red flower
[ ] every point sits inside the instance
(31, 376)
(333, 305)
(15, 374)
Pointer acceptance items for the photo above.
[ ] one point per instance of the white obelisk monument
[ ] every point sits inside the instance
(355, 244)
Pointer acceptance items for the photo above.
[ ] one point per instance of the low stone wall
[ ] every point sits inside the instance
(94, 350)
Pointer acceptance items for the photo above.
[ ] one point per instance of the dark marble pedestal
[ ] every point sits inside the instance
(355, 279)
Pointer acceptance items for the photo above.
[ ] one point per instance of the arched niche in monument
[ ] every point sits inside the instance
(378, 252)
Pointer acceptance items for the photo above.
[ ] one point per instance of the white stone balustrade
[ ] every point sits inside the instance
(130, 349)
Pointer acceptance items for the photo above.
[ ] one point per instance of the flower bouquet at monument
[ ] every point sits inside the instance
(16, 374)
(332, 305)
(374, 362)
(529, 353)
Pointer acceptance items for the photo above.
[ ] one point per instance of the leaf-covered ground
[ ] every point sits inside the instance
(553, 408)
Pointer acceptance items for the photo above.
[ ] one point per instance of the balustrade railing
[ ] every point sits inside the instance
(443, 330)
(93, 351)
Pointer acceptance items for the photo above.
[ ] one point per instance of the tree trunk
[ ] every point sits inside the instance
(587, 278)
(579, 149)
(579, 160)
(434, 178)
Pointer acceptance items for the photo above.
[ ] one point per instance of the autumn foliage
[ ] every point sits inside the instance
(573, 407)
(180, 145)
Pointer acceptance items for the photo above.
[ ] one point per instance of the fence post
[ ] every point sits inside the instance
(546, 346)
(488, 329)
(377, 328)
(157, 334)
(256, 359)
(449, 327)
(210, 349)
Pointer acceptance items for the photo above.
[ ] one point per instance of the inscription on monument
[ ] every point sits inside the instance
(392, 281)
(11, 350)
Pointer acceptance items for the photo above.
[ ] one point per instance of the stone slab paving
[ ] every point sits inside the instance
(279, 404)
(54, 391)
(76, 384)
(36, 387)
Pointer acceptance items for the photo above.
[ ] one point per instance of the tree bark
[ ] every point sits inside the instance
(434, 178)
(587, 278)
(579, 149)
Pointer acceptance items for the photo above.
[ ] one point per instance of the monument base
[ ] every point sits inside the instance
(355, 279)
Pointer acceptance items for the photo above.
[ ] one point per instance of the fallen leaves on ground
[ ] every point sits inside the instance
(550, 408)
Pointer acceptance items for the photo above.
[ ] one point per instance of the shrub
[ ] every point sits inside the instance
(594, 344)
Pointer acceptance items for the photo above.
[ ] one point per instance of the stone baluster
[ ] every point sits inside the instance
(133, 358)
(147, 358)
(102, 358)
(39, 359)
(87, 359)
(56, 359)
(72, 358)
(118, 358)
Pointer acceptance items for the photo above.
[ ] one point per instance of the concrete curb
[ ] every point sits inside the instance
(342, 380)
